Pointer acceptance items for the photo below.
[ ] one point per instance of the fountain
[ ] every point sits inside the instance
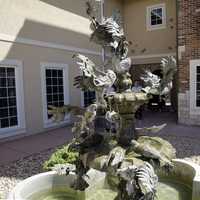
(117, 163)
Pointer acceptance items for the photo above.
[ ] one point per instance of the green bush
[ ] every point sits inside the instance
(61, 156)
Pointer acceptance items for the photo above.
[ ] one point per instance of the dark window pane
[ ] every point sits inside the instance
(159, 21)
(48, 81)
(89, 98)
(48, 73)
(49, 90)
(49, 98)
(3, 92)
(61, 103)
(60, 73)
(198, 96)
(198, 78)
(11, 72)
(54, 73)
(55, 81)
(3, 102)
(60, 89)
(56, 103)
(198, 86)
(159, 12)
(11, 82)
(198, 103)
(11, 92)
(55, 89)
(2, 71)
(54, 93)
(61, 97)
(55, 97)
(12, 101)
(13, 121)
(4, 123)
(13, 111)
(198, 69)
(3, 113)
(153, 17)
(60, 81)
(3, 82)
(156, 16)
(153, 22)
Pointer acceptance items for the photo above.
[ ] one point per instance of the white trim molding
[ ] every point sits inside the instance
(148, 17)
(193, 87)
(21, 127)
(26, 41)
(154, 55)
(48, 123)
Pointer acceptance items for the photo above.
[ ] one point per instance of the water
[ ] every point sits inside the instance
(167, 190)
(56, 194)
(171, 190)
(68, 194)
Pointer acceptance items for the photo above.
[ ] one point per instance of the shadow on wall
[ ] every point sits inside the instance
(47, 33)
(70, 5)
(27, 48)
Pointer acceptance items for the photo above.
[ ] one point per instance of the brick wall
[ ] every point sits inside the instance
(189, 49)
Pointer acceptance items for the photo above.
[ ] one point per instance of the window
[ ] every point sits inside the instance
(89, 98)
(8, 101)
(156, 17)
(11, 97)
(55, 88)
(195, 87)
(198, 86)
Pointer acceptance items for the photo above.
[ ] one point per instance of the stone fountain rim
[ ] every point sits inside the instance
(15, 193)
(194, 166)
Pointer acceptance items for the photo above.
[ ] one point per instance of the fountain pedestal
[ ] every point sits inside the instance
(126, 104)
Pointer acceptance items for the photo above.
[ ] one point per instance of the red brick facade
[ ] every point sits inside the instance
(188, 38)
(188, 12)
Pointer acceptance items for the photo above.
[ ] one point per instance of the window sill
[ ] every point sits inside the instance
(156, 27)
(50, 124)
(9, 132)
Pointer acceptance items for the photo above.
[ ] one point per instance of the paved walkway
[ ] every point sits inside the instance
(172, 128)
(14, 150)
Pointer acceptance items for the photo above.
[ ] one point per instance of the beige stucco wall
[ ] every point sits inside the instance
(155, 41)
(32, 56)
(62, 22)
(24, 25)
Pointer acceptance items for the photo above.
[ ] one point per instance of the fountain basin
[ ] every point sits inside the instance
(188, 174)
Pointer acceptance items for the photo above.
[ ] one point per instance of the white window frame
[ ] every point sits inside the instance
(21, 127)
(193, 84)
(48, 123)
(148, 17)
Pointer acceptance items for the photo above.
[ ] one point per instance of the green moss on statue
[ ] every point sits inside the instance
(61, 156)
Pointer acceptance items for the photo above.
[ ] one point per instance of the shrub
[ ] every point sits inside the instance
(61, 156)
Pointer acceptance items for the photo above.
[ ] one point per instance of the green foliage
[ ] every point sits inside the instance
(61, 156)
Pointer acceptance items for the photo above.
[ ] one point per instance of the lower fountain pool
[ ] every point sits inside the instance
(68, 194)
(167, 190)
(172, 190)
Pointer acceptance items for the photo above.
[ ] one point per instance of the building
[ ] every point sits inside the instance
(189, 61)
(39, 37)
(37, 41)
